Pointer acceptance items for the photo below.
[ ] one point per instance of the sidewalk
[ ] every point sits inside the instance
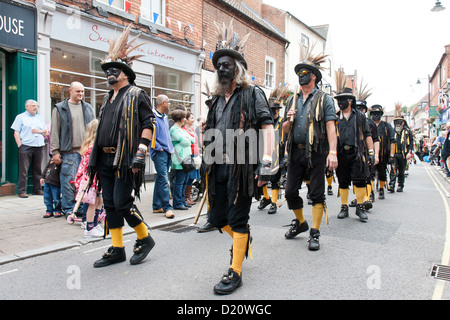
(24, 233)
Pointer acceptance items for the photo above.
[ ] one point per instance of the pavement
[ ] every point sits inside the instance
(24, 233)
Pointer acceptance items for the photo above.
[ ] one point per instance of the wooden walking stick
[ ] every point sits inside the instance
(294, 103)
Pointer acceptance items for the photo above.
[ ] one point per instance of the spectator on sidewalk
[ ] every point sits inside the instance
(162, 158)
(194, 174)
(30, 132)
(52, 189)
(69, 120)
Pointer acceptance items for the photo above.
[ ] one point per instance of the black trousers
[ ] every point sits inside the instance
(117, 193)
(298, 172)
(351, 169)
(400, 167)
(29, 156)
(382, 169)
(224, 211)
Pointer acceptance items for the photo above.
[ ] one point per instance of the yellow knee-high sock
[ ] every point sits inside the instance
(275, 195)
(117, 237)
(240, 243)
(228, 230)
(360, 195)
(382, 184)
(344, 196)
(368, 192)
(317, 215)
(330, 180)
(299, 215)
(265, 193)
(141, 231)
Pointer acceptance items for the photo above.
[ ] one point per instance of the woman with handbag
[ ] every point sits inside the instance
(182, 159)
(194, 174)
(92, 199)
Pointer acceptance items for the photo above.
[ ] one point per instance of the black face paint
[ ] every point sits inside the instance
(304, 77)
(226, 68)
(112, 74)
(343, 104)
(376, 116)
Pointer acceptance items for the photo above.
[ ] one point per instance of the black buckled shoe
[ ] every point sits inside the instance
(381, 194)
(390, 188)
(264, 203)
(367, 205)
(229, 282)
(296, 228)
(399, 189)
(313, 241)
(111, 256)
(208, 226)
(361, 213)
(273, 208)
(344, 212)
(352, 204)
(141, 249)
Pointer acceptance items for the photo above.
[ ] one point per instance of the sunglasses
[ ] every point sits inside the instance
(303, 72)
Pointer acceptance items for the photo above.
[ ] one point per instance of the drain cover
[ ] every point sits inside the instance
(179, 228)
(441, 272)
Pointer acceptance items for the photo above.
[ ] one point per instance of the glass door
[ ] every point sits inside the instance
(2, 115)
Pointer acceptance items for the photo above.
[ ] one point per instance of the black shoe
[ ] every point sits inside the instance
(400, 189)
(313, 241)
(381, 194)
(181, 208)
(208, 226)
(141, 249)
(372, 197)
(360, 212)
(330, 190)
(390, 189)
(352, 204)
(229, 282)
(264, 203)
(296, 228)
(344, 212)
(273, 208)
(111, 256)
(367, 205)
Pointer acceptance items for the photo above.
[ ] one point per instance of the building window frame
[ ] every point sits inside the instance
(270, 72)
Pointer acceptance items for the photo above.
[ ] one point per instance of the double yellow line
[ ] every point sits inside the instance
(439, 288)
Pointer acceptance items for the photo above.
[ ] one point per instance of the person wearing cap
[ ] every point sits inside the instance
(119, 153)
(369, 194)
(238, 110)
(311, 147)
(403, 147)
(386, 136)
(29, 133)
(355, 149)
(277, 154)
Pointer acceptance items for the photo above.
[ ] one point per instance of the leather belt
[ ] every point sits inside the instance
(348, 148)
(109, 149)
(301, 146)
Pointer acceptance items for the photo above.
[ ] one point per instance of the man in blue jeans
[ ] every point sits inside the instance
(69, 120)
(161, 157)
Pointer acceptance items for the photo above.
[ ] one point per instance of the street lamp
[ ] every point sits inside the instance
(438, 7)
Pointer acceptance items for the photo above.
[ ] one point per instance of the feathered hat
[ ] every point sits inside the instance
(119, 54)
(311, 62)
(362, 93)
(398, 112)
(276, 96)
(229, 44)
(377, 108)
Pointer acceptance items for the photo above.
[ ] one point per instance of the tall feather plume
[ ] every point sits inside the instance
(341, 80)
(278, 93)
(119, 49)
(228, 39)
(362, 93)
(307, 54)
(398, 109)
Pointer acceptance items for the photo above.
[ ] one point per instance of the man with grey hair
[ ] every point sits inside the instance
(69, 120)
(29, 132)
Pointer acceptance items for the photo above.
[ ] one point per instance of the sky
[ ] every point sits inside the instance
(391, 43)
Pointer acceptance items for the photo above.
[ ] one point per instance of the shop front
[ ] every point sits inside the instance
(18, 79)
(76, 54)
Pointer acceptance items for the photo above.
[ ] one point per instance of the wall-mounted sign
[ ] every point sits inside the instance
(17, 26)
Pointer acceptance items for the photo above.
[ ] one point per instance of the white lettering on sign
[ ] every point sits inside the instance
(11, 25)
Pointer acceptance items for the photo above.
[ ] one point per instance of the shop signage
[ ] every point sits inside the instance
(17, 26)
(72, 29)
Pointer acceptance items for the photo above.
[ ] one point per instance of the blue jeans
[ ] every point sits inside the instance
(161, 196)
(52, 198)
(178, 188)
(69, 168)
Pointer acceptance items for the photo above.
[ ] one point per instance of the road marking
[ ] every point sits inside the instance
(440, 284)
(10, 271)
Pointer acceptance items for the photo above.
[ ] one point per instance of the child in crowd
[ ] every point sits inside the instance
(92, 199)
(52, 189)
